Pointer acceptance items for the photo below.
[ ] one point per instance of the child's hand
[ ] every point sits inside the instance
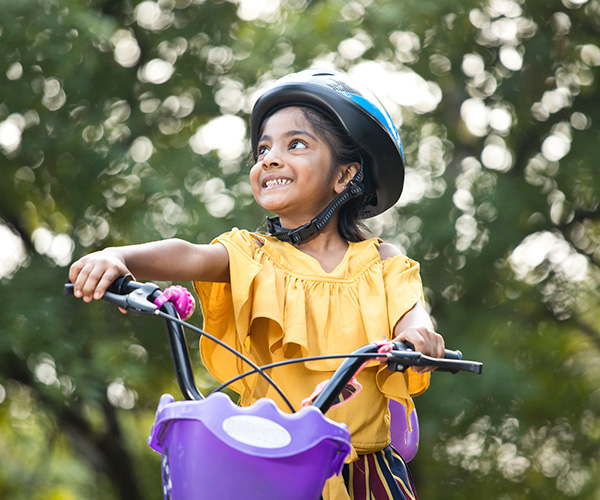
(94, 273)
(426, 341)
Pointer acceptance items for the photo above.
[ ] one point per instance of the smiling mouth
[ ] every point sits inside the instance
(277, 182)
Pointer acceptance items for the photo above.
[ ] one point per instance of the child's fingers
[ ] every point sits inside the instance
(88, 279)
(94, 273)
(74, 271)
(105, 281)
(426, 341)
(78, 275)
(423, 369)
(80, 279)
(89, 276)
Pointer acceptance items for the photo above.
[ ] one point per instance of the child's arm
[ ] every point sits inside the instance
(417, 328)
(168, 260)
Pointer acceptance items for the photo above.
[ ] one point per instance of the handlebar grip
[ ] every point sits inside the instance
(120, 293)
(124, 285)
(121, 286)
(451, 362)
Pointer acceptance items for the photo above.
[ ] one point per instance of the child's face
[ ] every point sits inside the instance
(293, 176)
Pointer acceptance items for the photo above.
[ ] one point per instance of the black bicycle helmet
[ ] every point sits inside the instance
(360, 114)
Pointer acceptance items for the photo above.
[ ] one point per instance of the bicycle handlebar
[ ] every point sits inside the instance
(127, 294)
(132, 296)
(401, 357)
(139, 297)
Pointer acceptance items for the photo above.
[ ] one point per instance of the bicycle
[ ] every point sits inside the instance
(271, 452)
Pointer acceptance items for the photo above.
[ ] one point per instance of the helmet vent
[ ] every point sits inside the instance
(340, 86)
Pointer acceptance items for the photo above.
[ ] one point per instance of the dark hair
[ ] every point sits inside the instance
(343, 151)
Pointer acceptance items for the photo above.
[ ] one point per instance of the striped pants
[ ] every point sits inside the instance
(379, 476)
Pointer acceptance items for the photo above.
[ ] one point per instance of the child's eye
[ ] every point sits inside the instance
(298, 145)
(263, 150)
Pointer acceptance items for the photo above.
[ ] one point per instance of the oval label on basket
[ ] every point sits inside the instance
(256, 431)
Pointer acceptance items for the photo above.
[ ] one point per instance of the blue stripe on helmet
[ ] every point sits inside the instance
(381, 115)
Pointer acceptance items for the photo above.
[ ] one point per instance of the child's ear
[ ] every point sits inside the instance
(345, 175)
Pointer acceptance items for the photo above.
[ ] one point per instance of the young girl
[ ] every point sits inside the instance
(326, 155)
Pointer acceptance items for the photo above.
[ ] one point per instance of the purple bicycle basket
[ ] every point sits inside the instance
(213, 449)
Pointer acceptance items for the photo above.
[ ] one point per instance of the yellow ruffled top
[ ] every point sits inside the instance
(281, 304)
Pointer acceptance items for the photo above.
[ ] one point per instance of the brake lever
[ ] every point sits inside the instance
(137, 301)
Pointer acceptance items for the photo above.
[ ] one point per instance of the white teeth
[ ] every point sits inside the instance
(277, 182)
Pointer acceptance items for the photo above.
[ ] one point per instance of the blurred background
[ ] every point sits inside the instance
(125, 121)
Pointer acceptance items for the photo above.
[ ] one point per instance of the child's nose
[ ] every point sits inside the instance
(272, 159)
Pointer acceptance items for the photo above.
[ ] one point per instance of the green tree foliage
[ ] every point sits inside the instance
(123, 121)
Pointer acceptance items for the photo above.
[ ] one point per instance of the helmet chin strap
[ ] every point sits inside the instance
(353, 189)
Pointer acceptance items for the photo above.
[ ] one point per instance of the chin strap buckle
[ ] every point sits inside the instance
(292, 236)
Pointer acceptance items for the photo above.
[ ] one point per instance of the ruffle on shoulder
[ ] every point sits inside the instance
(307, 312)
